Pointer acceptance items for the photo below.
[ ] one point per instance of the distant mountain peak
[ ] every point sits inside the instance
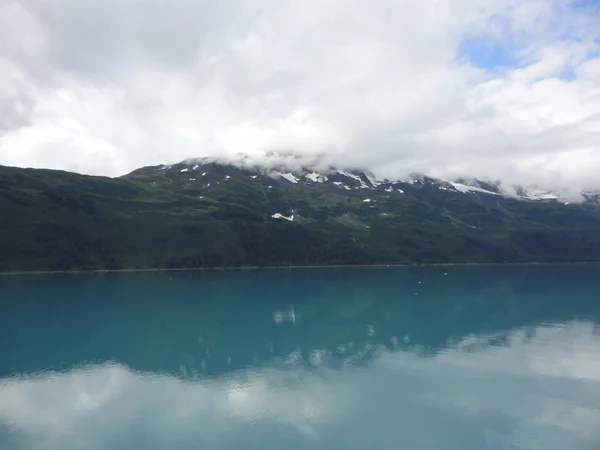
(315, 169)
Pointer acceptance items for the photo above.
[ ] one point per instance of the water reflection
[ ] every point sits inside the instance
(475, 360)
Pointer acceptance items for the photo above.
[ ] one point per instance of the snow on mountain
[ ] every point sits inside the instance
(300, 170)
(494, 187)
(541, 195)
(374, 181)
(282, 217)
(533, 193)
(316, 177)
(363, 185)
(464, 188)
(288, 176)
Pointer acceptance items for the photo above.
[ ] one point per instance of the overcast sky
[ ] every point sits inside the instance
(503, 89)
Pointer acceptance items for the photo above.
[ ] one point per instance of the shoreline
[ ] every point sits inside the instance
(333, 266)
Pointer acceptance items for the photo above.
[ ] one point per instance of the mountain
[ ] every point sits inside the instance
(208, 213)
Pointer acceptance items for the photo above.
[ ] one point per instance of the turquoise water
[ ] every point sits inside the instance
(480, 357)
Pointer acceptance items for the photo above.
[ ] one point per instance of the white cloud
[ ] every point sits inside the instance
(105, 87)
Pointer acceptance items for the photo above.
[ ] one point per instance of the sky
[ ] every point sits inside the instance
(498, 89)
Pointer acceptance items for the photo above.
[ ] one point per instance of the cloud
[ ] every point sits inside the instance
(538, 390)
(106, 87)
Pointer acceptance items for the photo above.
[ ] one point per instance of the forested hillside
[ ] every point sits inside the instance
(205, 214)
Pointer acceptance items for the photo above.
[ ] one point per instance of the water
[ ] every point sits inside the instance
(450, 357)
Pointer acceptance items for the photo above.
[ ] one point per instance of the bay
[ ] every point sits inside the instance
(442, 357)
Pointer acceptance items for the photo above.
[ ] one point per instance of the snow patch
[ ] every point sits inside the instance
(367, 200)
(184, 170)
(338, 183)
(192, 179)
(195, 167)
(541, 195)
(355, 177)
(282, 217)
(204, 174)
(465, 189)
(227, 177)
(373, 181)
(389, 190)
(288, 176)
(253, 177)
(316, 177)
(400, 190)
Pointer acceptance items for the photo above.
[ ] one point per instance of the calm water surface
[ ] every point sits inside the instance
(453, 358)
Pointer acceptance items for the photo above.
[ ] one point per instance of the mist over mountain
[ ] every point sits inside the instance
(300, 165)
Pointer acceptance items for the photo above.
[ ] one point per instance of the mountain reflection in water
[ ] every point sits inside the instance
(441, 357)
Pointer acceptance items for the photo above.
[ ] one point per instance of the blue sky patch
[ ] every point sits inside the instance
(487, 53)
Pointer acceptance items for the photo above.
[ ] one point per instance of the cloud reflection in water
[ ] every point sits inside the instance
(539, 389)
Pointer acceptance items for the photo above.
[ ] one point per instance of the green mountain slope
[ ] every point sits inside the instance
(203, 214)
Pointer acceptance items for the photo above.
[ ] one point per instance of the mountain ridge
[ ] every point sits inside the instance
(207, 214)
(319, 172)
